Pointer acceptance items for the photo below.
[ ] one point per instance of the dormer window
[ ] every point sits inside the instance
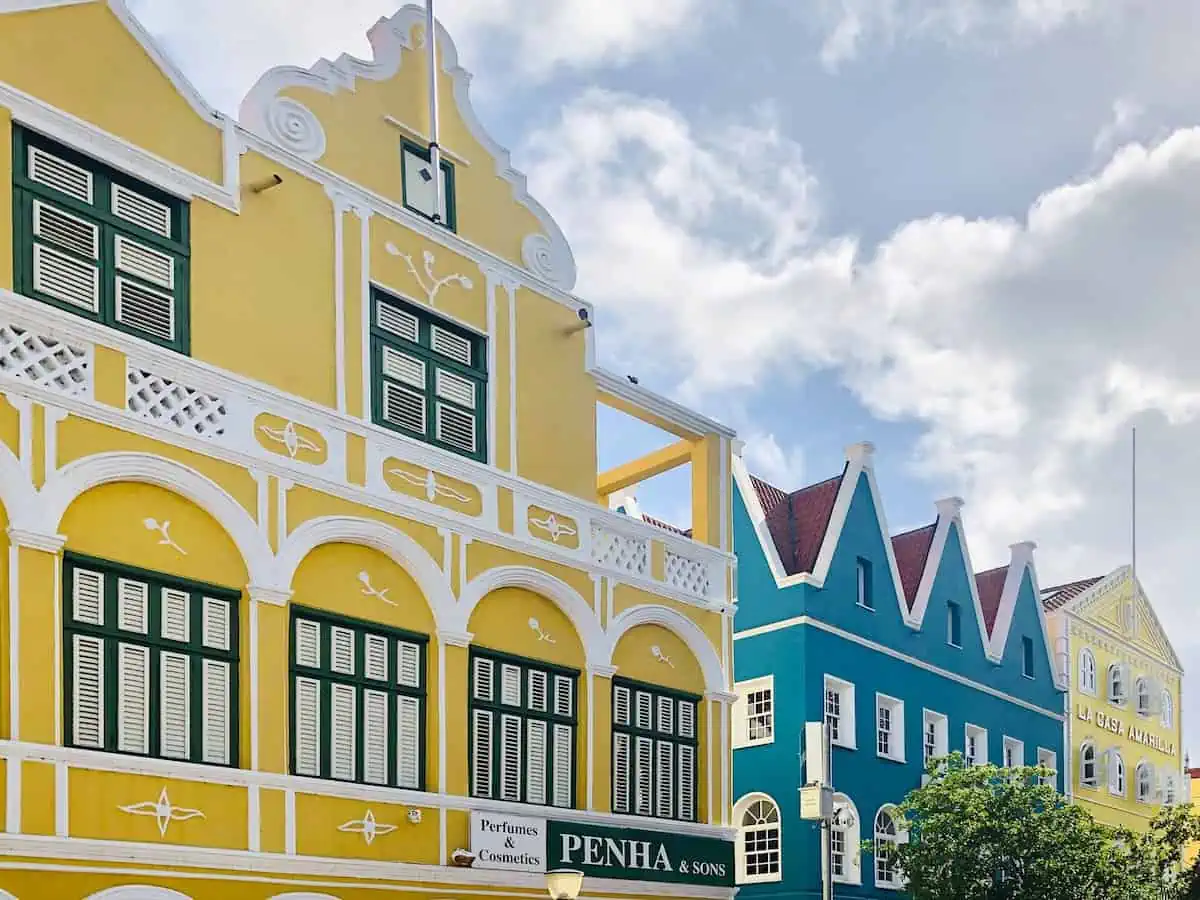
(418, 184)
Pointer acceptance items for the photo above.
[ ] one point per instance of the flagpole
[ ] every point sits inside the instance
(435, 151)
(1133, 503)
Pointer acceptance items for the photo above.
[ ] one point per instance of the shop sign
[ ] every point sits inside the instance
(513, 843)
(1116, 726)
(638, 855)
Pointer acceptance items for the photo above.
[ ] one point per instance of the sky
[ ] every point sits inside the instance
(965, 230)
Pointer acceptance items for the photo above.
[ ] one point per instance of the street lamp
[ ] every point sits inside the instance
(564, 884)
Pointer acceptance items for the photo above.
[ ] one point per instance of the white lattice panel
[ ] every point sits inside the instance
(44, 361)
(175, 405)
(686, 574)
(614, 550)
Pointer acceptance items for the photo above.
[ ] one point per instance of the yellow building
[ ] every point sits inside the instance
(1123, 732)
(311, 588)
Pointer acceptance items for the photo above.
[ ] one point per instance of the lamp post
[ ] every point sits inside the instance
(564, 884)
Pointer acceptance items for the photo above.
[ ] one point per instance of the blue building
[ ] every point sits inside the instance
(898, 644)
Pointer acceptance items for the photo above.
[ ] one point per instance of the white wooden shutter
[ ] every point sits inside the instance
(215, 623)
(215, 708)
(535, 761)
(133, 605)
(481, 752)
(408, 664)
(308, 643)
(343, 718)
(687, 719)
(620, 705)
(403, 367)
(133, 699)
(375, 736)
(375, 657)
(644, 710)
(621, 763)
(145, 309)
(482, 685)
(510, 758)
(564, 689)
(87, 716)
(666, 715)
(664, 794)
(740, 718)
(144, 262)
(141, 210)
(397, 321)
(341, 650)
(308, 727)
(454, 388)
(66, 278)
(173, 613)
(65, 230)
(55, 172)
(564, 754)
(450, 345)
(537, 690)
(643, 749)
(408, 742)
(404, 407)
(455, 427)
(510, 685)
(175, 735)
(87, 596)
(687, 782)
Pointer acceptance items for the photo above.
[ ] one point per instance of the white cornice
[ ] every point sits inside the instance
(622, 388)
(51, 543)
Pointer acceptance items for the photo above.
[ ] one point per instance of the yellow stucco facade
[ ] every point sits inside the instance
(280, 617)
(1123, 727)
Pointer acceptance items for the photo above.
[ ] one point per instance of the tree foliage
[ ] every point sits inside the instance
(987, 833)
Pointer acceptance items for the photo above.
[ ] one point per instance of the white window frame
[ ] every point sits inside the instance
(981, 737)
(848, 823)
(1094, 782)
(743, 714)
(897, 881)
(1087, 671)
(1143, 690)
(1115, 766)
(1117, 677)
(895, 709)
(1018, 748)
(941, 735)
(1170, 794)
(1143, 774)
(1049, 759)
(1167, 709)
(846, 726)
(740, 810)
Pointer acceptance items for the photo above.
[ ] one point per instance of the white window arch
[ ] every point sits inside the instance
(1087, 671)
(1141, 693)
(1116, 773)
(887, 836)
(1088, 774)
(844, 841)
(1144, 782)
(760, 840)
(1169, 794)
(1167, 712)
(1118, 689)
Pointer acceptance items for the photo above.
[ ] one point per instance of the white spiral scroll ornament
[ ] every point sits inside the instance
(292, 126)
(549, 260)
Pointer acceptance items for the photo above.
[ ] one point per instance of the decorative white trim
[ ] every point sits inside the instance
(434, 284)
(370, 590)
(163, 530)
(163, 811)
(339, 203)
(137, 892)
(536, 627)
(740, 808)
(14, 673)
(553, 527)
(692, 423)
(292, 125)
(368, 827)
(289, 438)
(513, 419)
(548, 256)
(49, 543)
(680, 625)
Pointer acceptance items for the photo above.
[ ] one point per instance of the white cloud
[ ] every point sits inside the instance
(1126, 114)
(532, 37)
(766, 458)
(1024, 349)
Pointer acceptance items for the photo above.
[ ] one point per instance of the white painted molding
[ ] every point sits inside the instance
(270, 595)
(137, 892)
(602, 671)
(723, 697)
(456, 638)
(678, 624)
(292, 125)
(548, 255)
(665, 408)
(69, 482)
(50, 543)
(392, 542)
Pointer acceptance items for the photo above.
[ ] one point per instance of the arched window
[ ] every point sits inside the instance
(887, 874)
(1117, 689)
(759, 840)
(1141, 691)
(1144, 779)
(1088, 777)
(1116, 773)
(1169, 796)
(844, 841)
(1168, 709)
(1087, 671)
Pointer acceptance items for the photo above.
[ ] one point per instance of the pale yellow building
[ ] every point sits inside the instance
(1123, 730)
(311, 586)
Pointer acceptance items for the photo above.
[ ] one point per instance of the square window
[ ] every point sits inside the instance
(975, 749)
(839, 712)
(418, 185)
(934, 737)
(1014, 753)
(889, 727)
(754, 712)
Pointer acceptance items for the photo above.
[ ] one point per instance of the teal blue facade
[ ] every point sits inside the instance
(803, 634)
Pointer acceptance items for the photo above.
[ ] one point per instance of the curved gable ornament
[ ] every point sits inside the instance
(289, 124)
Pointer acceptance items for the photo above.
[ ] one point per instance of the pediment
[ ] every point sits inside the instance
(1119, 605)
(353, 118)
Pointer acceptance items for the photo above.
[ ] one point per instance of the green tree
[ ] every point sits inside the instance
(986, 833)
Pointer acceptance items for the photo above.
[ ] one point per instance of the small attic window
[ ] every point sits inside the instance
(417, 182)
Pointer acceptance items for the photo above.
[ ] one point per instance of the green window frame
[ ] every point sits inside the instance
(430, 377)
(655, 751)
(414, 166)
(357, 701)
(524, 723)
(151, 663)
(97, 243)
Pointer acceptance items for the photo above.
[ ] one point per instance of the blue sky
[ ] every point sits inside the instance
(965, 230)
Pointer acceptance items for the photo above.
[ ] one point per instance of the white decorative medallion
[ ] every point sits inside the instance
(292, 125)
(536, 627)
(163, 811)
(290, 438)
(163, 529)
(433, 487)
(367, 827)
(434, 284)
(553, 527)
(372, 591)
(656, 652)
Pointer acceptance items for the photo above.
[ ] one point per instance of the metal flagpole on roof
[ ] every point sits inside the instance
(1133, 505)
(435, 152)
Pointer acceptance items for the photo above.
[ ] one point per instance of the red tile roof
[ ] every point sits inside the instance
(666, 526)
(798, 521)
(1062, 594)
(990, 585)
(912, 551)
